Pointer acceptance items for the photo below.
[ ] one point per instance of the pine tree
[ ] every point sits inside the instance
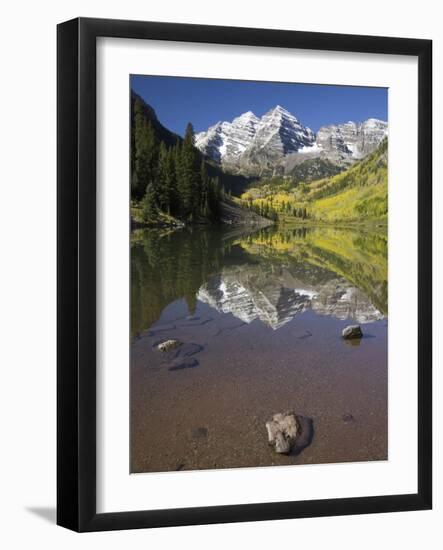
(149, 205)
(176, 154)
(170, 182)
(139, 179)
(214, 197)
(204, 206)
(189, 181)
(165, 179)
(145, 153)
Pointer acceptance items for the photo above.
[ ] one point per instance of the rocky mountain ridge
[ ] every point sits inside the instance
(276, 142)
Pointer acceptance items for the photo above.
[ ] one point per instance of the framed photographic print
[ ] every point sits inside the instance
(244, 274)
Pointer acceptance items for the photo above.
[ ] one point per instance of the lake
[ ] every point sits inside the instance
(260, 315)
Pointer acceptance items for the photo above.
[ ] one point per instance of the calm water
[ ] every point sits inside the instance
(260, 317)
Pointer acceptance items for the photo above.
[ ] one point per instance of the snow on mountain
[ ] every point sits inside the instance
(252, 144)
(276, 134)
(282, 132)
(353, 139)
(213, 141)
(228, 139)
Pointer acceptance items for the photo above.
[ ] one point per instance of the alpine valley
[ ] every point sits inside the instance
(257, 171)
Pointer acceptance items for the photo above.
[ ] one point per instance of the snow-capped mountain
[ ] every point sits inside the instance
(281, 133)
(226, 140)
(252, 140)
(353, 139)
(254, 145)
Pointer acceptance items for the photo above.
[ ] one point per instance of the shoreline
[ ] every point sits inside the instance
(372, 225)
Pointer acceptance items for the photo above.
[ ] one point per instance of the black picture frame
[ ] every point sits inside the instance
(76, 266)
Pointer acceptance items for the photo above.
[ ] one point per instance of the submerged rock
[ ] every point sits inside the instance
(282, 431)
(168, 345)
(352, 331)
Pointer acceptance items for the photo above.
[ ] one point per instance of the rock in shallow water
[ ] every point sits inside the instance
(352, 331)
(282, 432)
(168, 345)
(282, 445)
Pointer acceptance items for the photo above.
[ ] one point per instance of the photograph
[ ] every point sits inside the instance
(259, 273)
(222, 322)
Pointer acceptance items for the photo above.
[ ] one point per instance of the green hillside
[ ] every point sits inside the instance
(359, 194)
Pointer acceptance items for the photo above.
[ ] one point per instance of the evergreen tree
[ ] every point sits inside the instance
(204, 206)
(165, 179)
(172, 180)
(140, 174)
(189, 181)
(145, 153)
(149, 205)
(214, 197)
(163, 199)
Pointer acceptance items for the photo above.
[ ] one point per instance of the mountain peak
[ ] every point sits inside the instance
(354, 140)
(248, 114)
(245, 118)
(280, 113)
(374, 122)
(278, 132)
(281, 110)
(251, 144)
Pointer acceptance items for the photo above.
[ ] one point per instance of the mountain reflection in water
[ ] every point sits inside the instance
(272, 275)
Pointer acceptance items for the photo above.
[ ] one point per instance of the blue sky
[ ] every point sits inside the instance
(204, 102)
